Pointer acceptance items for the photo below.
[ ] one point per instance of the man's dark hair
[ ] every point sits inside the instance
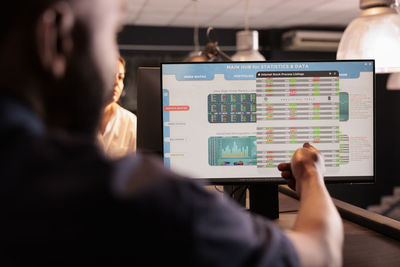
(64, 101)
(12, 12)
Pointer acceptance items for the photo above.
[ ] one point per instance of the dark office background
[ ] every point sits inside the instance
(149, 46)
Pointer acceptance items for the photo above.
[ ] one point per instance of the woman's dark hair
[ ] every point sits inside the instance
(122, 60)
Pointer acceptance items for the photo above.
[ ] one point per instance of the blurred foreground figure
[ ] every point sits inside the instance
(117, 135)
(64, 204)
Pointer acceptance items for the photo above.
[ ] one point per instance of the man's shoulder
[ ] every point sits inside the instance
(139, 173)
(179, 208)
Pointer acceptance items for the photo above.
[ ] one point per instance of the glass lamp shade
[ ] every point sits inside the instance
(247, 47)
(195, 56)
(393, 82)
(249, 55)
(374, 34)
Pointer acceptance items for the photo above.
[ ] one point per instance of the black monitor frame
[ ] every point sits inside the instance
(276, 180)
(149, 135)
(263, 192)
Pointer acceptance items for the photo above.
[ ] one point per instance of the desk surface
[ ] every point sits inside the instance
(362, 247)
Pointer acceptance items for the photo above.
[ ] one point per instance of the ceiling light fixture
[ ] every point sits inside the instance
(247, 42)
(211, 51)
(196, 53)
(393, 82)
(374, 34)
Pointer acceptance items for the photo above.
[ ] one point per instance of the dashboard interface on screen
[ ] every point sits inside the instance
(241, 119)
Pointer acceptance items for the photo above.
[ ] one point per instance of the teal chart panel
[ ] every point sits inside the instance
(232, 151)
(344, 106)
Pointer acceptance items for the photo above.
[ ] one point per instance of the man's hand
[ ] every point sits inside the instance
(306, 162)
(318, 231)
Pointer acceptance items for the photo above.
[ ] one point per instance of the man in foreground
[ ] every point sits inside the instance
(64, 203)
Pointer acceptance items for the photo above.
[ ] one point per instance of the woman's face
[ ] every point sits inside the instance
(118, 82)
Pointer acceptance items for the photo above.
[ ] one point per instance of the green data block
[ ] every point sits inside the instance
(230, 109)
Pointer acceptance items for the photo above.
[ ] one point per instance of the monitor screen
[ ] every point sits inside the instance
(236, 121)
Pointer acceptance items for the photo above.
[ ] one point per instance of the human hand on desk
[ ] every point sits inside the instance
(306, 163)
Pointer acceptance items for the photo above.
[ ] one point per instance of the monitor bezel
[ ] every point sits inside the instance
(277, 180)
(148, 140)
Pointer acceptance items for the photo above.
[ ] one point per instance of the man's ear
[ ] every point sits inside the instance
(54, 37)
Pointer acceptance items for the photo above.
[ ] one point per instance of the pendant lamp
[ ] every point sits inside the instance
(374, 34)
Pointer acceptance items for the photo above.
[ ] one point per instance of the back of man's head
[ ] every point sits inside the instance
(14, 11)
(58, 57)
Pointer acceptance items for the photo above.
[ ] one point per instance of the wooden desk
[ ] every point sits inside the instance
(362, 246)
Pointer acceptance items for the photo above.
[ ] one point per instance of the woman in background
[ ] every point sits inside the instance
(117, 133)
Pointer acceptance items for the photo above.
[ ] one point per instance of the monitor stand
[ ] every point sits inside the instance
(263, 198)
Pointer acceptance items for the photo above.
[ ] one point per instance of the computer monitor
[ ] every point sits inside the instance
(234, 122)
(149, 132)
